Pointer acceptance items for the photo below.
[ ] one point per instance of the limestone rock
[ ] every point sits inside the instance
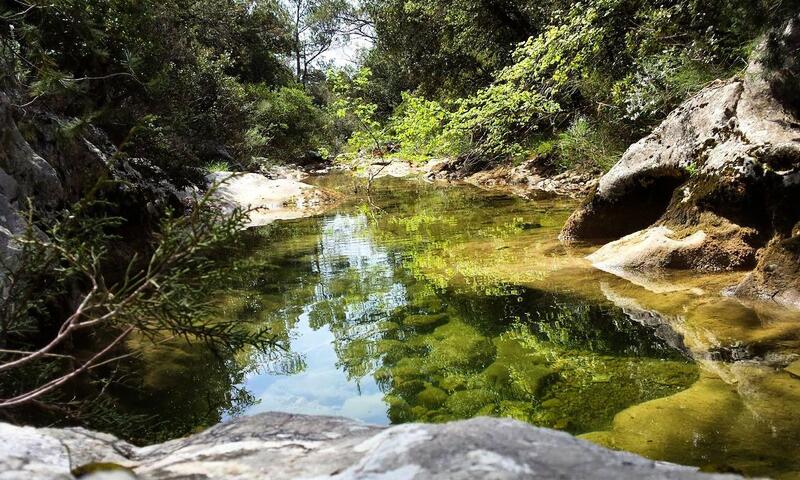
(34, 178)
(711, 186)
(661, 247)
(284, 446)
(268, 199)
(776, 278)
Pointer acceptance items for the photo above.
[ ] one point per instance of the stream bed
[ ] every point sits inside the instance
(423, 303)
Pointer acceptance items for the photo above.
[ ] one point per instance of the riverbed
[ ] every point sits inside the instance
(428, 303)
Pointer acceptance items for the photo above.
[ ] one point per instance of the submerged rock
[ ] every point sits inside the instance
(284, 446)
(712, 186)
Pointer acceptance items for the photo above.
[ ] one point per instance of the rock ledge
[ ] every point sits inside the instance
(285, 446)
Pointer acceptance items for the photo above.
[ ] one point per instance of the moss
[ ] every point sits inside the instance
(515, 409)
(453, 382)
(407, 388)
(467, 403)
(458, 345)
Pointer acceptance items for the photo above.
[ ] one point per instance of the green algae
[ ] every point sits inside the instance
(453, 302)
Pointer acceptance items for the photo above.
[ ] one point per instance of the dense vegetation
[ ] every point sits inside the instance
(191, 83)
(181, 87)
(164, 90)
(565, 81)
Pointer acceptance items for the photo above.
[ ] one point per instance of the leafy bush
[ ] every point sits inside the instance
(421, 128)
(358, 116)
(619, 64)
(584, 144)
(164, 292)
(285, 124)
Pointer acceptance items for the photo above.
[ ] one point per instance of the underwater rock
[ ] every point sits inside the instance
(284, 446)
(423, 321)
(720, 423)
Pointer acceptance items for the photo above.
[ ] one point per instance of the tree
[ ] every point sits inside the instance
(316, 26)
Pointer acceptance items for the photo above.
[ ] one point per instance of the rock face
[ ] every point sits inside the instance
(283, 446)
(42, 165)
(713, 185)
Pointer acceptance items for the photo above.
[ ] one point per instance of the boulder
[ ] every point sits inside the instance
(776, 278)
(285, 446)
(711, 186)
(266, 199)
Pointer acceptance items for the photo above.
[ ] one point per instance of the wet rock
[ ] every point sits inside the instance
(711, 186)
(424, 321)
(661, 247)
(776, 278)
(283, 446)
(530, 179)
(793, 368)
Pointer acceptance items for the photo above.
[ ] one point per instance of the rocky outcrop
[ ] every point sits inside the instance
(530, 180)
(713, 185)
(283, 446)
(269, 199)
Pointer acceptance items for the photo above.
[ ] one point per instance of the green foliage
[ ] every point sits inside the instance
(219, 167)
(358, 116)
(420, 127)
(181, 84)
(583, 143)
(60, 353)
(447, 48)
(580, 73)
(285, 124)
(497, 119)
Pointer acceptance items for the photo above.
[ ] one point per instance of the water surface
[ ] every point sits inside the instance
(434, 303)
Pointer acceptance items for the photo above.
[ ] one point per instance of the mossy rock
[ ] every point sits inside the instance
(425, 321)
(518, 410)
(458, 345)
(793, 368)
(409, 367)
(431, 304)
(408, 388)
(453, 382)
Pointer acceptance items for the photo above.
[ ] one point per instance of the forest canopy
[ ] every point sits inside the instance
(190, 83)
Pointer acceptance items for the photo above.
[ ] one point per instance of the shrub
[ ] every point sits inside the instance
(420, 127)
(285, 123)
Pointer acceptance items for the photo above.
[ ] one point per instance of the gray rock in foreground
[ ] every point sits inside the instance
(283, 446)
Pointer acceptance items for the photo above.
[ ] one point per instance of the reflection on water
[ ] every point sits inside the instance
(382, 341)
(432, 304)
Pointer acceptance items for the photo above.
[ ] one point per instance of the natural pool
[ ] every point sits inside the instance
(433, 303)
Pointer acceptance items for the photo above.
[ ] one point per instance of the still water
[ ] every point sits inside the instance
(434, 303)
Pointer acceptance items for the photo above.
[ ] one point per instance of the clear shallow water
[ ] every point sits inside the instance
(424, 303)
